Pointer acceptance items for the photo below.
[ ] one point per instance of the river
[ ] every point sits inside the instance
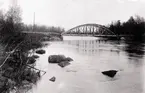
(92, 56)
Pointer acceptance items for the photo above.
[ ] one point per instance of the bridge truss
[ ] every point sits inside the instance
(89, 29)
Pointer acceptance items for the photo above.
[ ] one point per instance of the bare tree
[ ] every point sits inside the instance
(15, 14)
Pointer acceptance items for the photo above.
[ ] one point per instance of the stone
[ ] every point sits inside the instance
(68, 59)
(110, 73)
(64, 63)
(56, 58)
(31, 60)
(41, 51)
(52, 79)
(35, 56)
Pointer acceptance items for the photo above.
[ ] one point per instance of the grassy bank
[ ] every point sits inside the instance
(17, 66)
(17, 63)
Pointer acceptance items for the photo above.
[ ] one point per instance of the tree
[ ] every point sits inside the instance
(15, 14)
(134, 26)
(116, 27)
(10, 22)
(139, 19)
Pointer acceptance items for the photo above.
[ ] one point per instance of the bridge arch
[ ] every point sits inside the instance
(89, 29)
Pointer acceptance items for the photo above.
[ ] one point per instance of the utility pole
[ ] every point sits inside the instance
(33, 22)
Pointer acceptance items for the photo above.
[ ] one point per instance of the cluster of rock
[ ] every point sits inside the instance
(32, 59)
(61, 60)
(41, 51)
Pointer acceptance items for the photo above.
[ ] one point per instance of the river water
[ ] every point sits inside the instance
(92, 56)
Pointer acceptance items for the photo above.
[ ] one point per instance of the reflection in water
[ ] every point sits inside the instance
(92, 47)
(135, 49)
(132, 48)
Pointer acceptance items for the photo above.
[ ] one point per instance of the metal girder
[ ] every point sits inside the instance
(94, 29)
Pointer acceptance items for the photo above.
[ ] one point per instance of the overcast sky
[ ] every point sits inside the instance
(70, 13)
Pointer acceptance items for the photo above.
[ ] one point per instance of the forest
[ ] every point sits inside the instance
(134, 26)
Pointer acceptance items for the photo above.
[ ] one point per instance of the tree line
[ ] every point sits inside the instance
(11, 23)
(42, 28)
(134, 26)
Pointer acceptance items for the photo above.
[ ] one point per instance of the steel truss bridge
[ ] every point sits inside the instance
(90, 29)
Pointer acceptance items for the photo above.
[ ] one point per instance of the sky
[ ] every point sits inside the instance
(70, 13)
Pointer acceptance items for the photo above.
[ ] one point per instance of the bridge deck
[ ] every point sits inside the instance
(46, 33)
(97, 35)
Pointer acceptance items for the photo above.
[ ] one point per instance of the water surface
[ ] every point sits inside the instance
(92, 56)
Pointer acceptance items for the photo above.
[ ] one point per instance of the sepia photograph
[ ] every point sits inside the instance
(72, 46)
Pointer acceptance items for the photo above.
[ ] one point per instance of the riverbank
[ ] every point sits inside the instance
(17, 59)
(18, 62)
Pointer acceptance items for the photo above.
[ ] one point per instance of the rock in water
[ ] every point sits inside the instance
(31, 60)
(110, 73)
(40, 51)
(68, 59)
(35, 56)
(63, 63)
(52, 79)
(56, 58)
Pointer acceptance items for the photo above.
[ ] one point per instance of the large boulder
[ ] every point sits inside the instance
(110, 73)
(41, 51)
(61, 60)
(56, 58)
(63, 63)
(68, 59)
(35, 56)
